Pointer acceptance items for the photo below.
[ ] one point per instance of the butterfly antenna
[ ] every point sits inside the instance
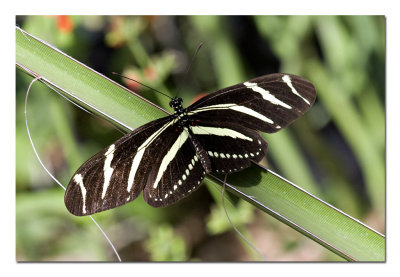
(51, 175)
(115, 73)
(237, 231)
(190, 65)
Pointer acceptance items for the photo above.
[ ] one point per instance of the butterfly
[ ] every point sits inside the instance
(168, 158)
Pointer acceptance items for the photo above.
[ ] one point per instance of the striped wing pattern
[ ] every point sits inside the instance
(119, 173)
(268, 103)
(230, 147)
(177, 174)
(168, 158)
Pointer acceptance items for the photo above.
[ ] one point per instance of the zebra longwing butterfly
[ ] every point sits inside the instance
(169, 157)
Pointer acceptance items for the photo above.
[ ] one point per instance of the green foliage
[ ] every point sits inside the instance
(239, 214)
(164, 245)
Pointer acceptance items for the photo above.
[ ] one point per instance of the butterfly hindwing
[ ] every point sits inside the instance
(180, 173)
(230, 147)
(267, 103)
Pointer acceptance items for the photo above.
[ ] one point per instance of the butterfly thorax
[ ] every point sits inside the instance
(176, 104)
(180, 112)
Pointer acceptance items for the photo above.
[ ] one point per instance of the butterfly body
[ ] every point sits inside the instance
(180, 112)
(168, 158)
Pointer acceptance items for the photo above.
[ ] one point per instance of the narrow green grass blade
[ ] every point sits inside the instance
(82, 85)
(288, 203)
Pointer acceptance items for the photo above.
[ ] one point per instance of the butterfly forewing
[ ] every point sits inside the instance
(268, 103)
(117, 174)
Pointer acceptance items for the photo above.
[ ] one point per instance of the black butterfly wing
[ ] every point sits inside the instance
(230, 147)
(267, 103)
(226, 122)
(159, 158)
(119, 173)
(168, 158)
(178, 173)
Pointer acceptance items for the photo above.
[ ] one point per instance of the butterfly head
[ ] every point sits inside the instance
(176, 104)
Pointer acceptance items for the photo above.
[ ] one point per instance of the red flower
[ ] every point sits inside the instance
(64, 23)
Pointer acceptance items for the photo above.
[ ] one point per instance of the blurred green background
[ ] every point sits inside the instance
(336, 151)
